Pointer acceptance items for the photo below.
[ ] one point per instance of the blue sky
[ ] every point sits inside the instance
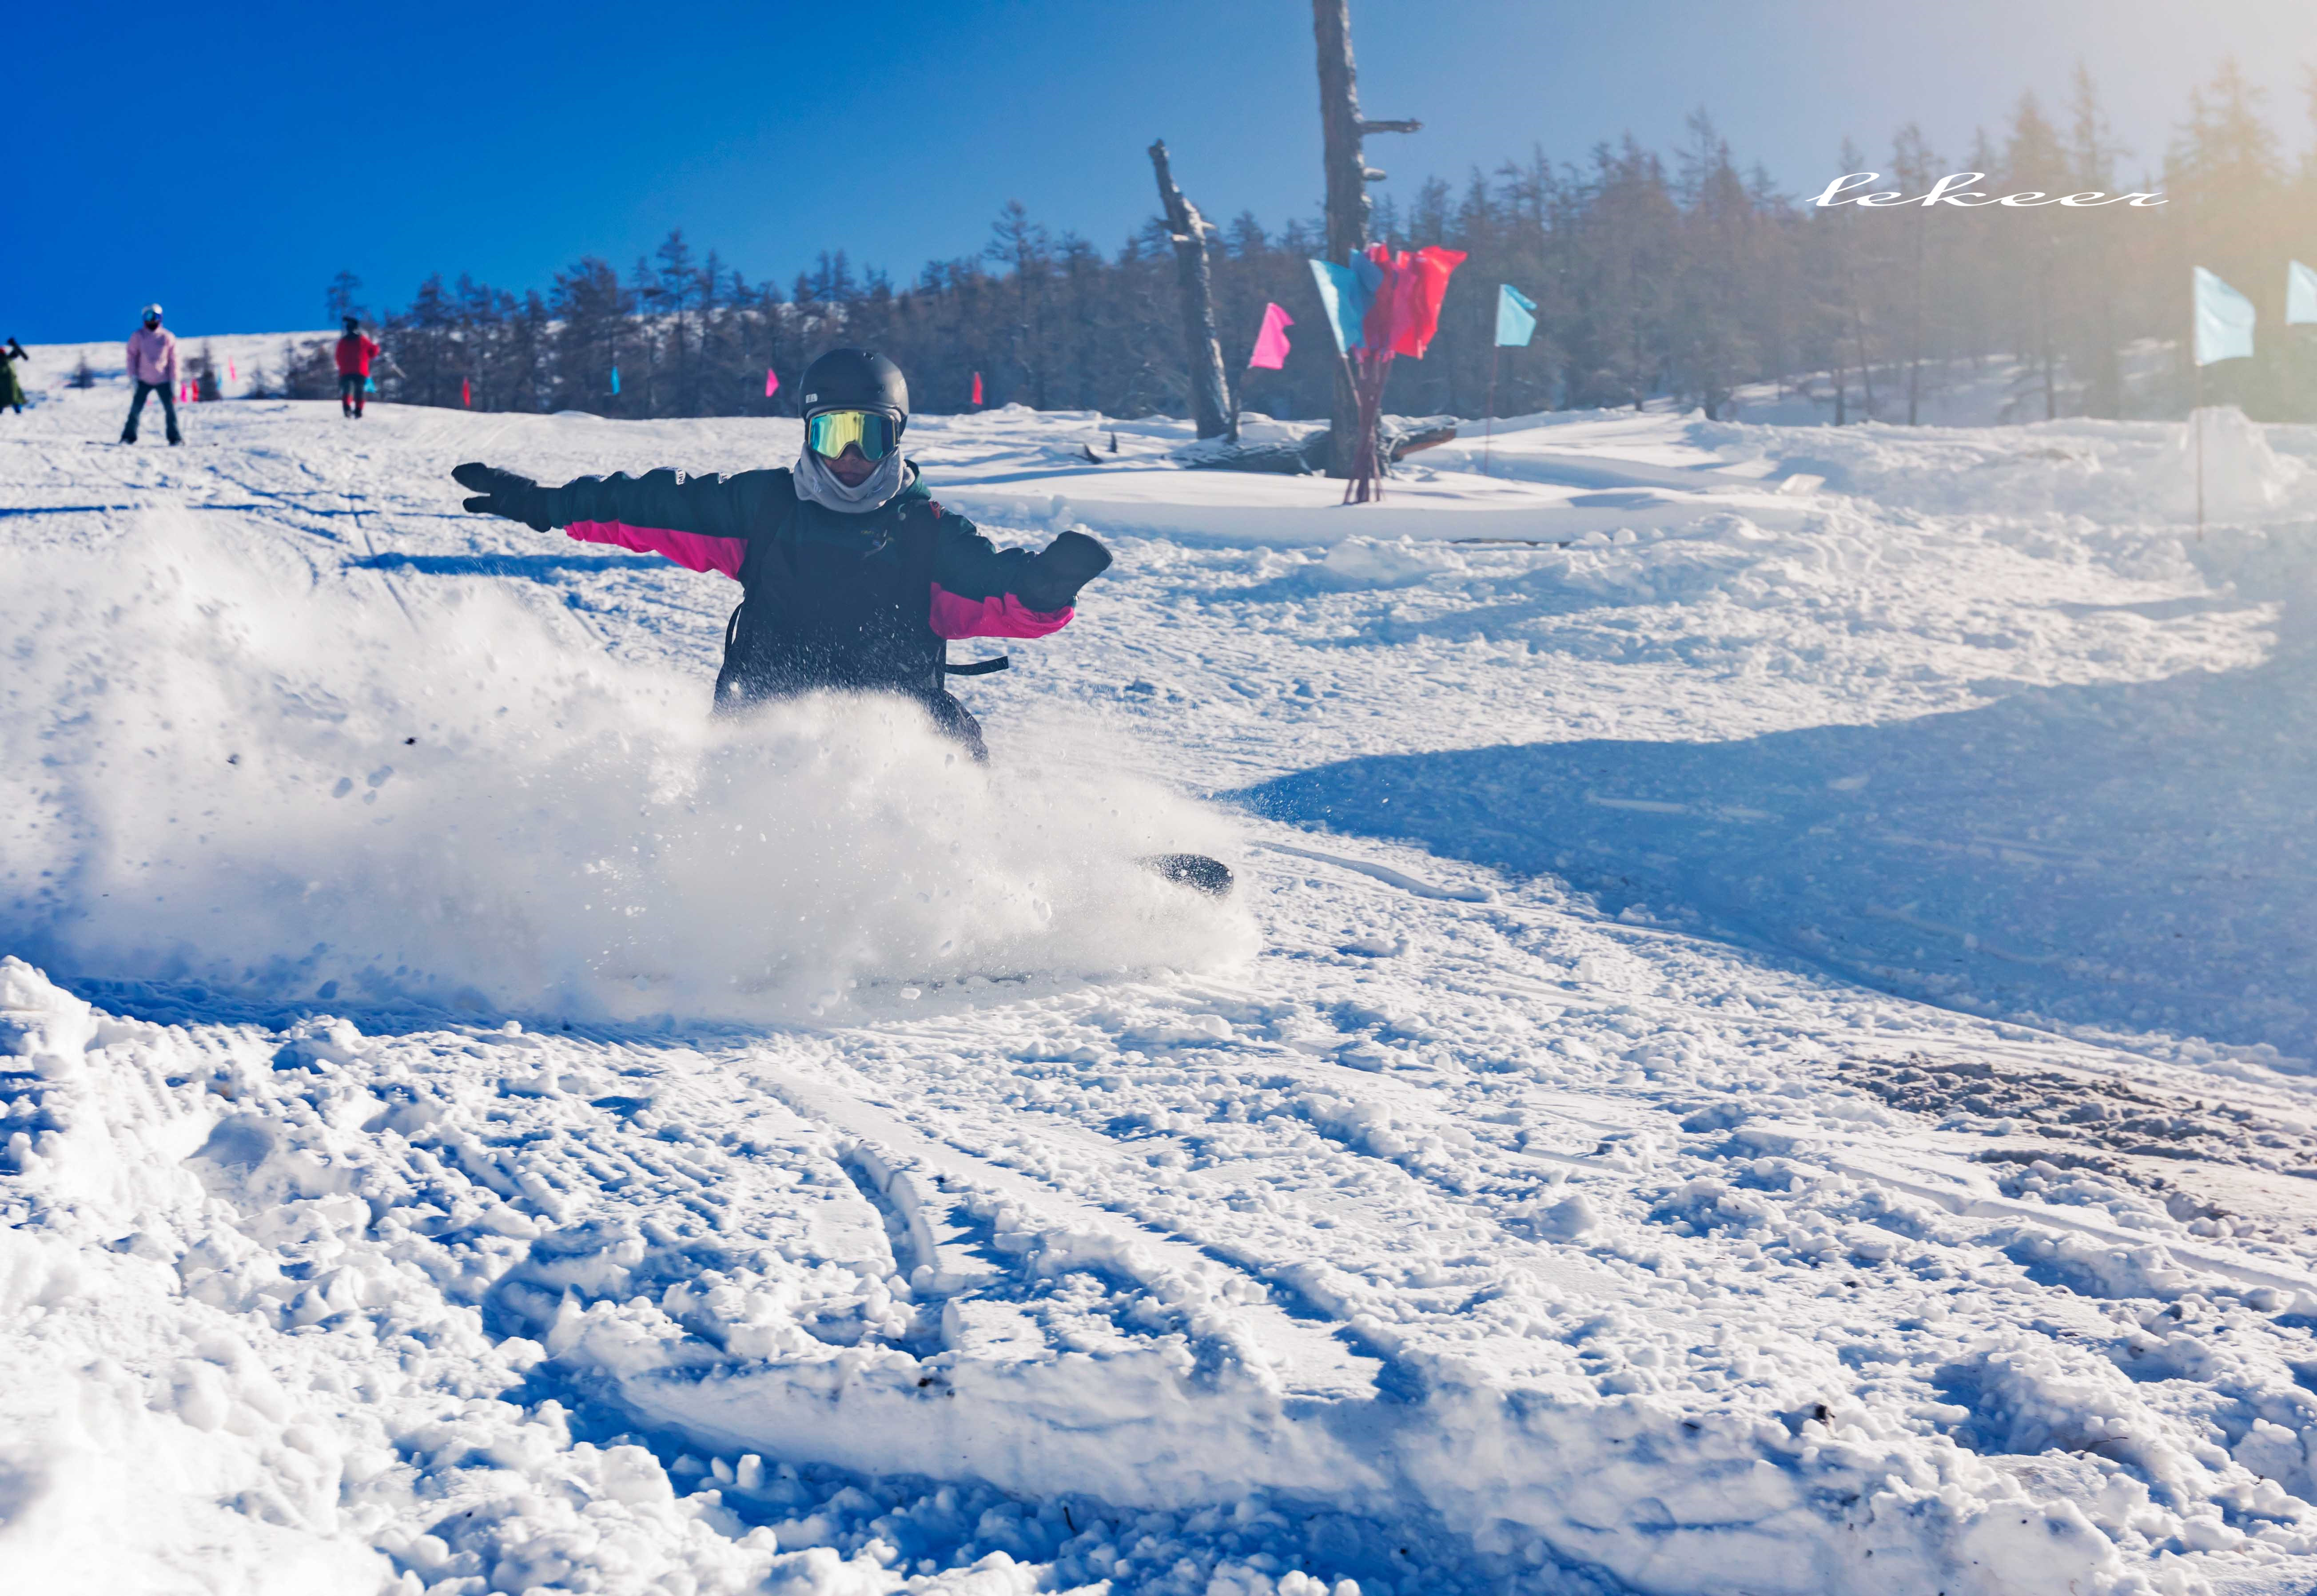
(228, 160)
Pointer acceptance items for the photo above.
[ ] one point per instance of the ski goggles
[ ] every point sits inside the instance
(832, 432)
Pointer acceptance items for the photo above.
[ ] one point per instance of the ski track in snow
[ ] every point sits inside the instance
(1764, 1050)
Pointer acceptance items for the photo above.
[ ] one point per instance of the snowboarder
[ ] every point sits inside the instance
(153, 368)
(356, 350)
(12, 390)
(853, 576)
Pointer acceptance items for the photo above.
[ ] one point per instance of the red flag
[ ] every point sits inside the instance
(977, 388)
(465, 394)
(1406, 311)
(772, 382)
(1428, 282)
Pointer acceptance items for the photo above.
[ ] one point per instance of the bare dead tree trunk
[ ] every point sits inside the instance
(1342, 129)
(1202, 352)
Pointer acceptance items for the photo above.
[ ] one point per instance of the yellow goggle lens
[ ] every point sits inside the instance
(832, 432)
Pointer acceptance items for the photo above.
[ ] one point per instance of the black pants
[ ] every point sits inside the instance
(350, 392)
(957, 721)
(137, 408)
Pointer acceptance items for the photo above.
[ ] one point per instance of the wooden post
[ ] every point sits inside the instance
(1341, 129)
(2196, 420)
(1202, 352)
(1369, 369)
(1489, 437)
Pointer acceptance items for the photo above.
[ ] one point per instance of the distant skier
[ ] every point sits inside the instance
(356, 350)
(153, 368)
(12, 390)
(853, 576)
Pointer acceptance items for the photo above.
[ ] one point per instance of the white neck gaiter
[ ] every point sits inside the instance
(817, 482)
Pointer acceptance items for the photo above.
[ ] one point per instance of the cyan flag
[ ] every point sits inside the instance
(1515, 318)
(2224, 320)
(2300, 292)
(1346, 298)
(615, 380)
(1370, 277)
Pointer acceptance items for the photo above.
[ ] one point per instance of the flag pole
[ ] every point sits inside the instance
(1488, 423)
(2196, 419)
(1378, 376)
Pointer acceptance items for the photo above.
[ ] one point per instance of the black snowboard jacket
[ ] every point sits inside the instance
(828, 600)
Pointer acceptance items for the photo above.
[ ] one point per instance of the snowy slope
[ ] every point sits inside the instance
(1765, 1047)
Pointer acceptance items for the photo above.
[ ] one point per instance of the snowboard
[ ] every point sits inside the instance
(1194, 871)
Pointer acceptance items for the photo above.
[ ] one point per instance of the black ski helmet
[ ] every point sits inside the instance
(856, 380)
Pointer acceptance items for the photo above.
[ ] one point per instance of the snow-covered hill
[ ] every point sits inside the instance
(1765, 1045)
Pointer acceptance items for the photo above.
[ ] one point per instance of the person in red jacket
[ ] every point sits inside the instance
(356, 350)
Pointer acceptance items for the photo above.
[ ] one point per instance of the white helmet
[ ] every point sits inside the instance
(152, 313)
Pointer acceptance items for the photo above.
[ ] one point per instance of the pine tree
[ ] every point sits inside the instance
(2034, 161)
(591, 310)
(1914, 168)
(2226, 177)
(340, 299)
(202, 372)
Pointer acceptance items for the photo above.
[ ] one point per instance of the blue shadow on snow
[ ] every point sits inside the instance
(2135, 856)
(539, 568)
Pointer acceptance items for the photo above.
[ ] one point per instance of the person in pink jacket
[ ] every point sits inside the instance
(153, 368)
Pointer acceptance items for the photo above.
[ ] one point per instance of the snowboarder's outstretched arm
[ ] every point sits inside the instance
(715, 506)
(983, 591)
(700, 523)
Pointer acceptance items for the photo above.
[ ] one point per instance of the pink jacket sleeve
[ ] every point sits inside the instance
(1000, 616)
(172, 347)
(694, 552)
(948, 615)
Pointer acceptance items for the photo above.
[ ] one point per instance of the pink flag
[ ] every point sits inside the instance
(465, 394)
(1271, 344)
(772, 382)
(977, 388)
(230, 374)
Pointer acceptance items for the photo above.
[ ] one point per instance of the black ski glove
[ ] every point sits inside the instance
(1067, 565)
(503, 492)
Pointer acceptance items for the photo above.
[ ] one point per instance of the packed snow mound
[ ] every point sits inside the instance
(214, 776)
(2242, 473)
(2113, 472)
